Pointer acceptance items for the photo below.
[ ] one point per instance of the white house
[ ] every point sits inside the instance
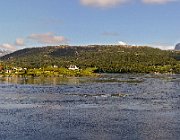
(73, 67)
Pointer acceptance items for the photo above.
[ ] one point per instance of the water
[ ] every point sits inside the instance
(109, 107)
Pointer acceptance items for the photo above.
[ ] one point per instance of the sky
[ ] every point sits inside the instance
(36, 23)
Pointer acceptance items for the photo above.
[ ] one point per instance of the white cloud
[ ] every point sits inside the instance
(122, 43)
(167, 47)
(7, 46)
(157, 1)
(19, 42)
(48, 38)
(102, 3)
(162, 46)
(112, 3)
(12, 46)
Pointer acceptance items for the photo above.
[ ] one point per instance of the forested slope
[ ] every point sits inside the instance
(106, 58)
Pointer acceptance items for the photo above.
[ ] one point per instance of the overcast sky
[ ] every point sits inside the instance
(31, 23)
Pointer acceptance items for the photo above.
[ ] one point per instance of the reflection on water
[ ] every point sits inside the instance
(40, 80)
(109, 107)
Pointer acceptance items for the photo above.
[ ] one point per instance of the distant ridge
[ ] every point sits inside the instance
(4, 52)
(106, 58)
(177, 47)
(58, 51)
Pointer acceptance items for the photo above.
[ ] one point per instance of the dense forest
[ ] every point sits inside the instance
(106, 58)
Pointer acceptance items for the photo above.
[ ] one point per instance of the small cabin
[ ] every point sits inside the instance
(73, 67)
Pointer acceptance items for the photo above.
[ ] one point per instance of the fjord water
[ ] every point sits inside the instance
(108, 107)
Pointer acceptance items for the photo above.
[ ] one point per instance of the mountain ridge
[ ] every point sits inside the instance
(106, 58)
(177, 47)
(4, 52)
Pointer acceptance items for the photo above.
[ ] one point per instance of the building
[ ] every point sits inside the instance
(73, 67)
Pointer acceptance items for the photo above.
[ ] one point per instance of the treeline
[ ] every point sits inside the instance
(106, 58)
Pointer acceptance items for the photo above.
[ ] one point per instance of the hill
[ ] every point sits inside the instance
(177, 47)
(106, 58)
